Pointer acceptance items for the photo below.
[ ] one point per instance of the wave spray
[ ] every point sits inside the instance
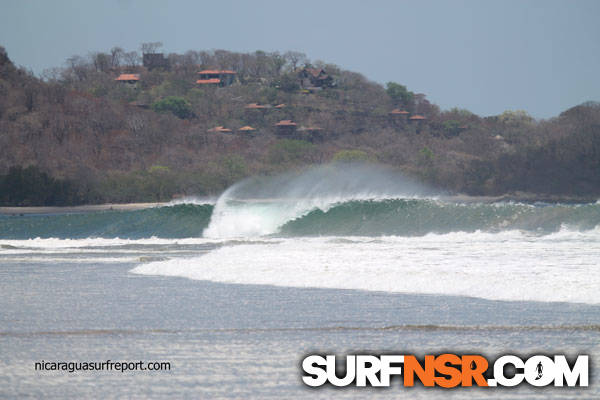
(261, 205)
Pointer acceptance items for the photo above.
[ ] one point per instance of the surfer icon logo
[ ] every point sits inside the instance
(539, 370)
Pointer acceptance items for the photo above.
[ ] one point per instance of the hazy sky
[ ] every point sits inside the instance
(487, 56)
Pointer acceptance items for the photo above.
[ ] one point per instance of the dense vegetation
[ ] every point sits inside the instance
(78, 136)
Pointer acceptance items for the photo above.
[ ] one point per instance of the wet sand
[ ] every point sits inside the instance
(77, 209)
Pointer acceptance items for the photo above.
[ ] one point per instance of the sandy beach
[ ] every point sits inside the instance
(77, 209)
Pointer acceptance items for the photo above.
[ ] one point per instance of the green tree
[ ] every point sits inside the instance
(515, 117)
(178, 106)
(351, 156)
(288, 83)
(399, 94)
(426, 157)
(451, 127)
(32, 187)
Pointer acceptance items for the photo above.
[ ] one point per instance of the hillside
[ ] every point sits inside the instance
(107, 128)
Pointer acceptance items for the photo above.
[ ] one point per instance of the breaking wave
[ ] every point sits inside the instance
(372, 201)
(315, 217)
(415, 217)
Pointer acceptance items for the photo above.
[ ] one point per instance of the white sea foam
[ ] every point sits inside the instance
(244, 219)
(192, 200)
(71, 260)
(56, 243)
(509, 265)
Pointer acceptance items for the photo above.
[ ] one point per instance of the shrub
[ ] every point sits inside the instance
(451, 127)
(289, 151)
(399, 94)
(32, 187)
(288, 83)
(178, 106)
(351, 156)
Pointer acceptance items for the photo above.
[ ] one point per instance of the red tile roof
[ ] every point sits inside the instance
(399, 111)
(285, 122)
(254, 106)
(128, 77)
(280, 105)
(246, 128)
(207, 81)
(417, 118)
(216, 71)
(219, 129)
(315, 71)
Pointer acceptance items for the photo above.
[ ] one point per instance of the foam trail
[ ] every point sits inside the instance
(509, 265)
(260, 206)
(59, 243)
(192, 200)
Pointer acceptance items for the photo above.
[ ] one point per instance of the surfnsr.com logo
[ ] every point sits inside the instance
(445, 370)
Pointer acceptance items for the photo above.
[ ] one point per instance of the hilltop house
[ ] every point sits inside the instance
(255, 112)
(398, 117)
(219, 129)
(255, 106)
(396, 112)
(216, 77)
(286, 128)
(312, 78)
(247, 130)
(417, 118)
(418, 121)
(128, 79)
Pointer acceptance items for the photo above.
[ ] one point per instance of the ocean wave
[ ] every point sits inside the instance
(391, 216)
(368, 201)
(174, 221)
(417, 217)
(299, 218)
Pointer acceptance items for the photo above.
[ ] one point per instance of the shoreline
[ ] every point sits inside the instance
(86, 208)
(459, 198)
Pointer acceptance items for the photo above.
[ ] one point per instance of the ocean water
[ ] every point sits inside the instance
(235, 293)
